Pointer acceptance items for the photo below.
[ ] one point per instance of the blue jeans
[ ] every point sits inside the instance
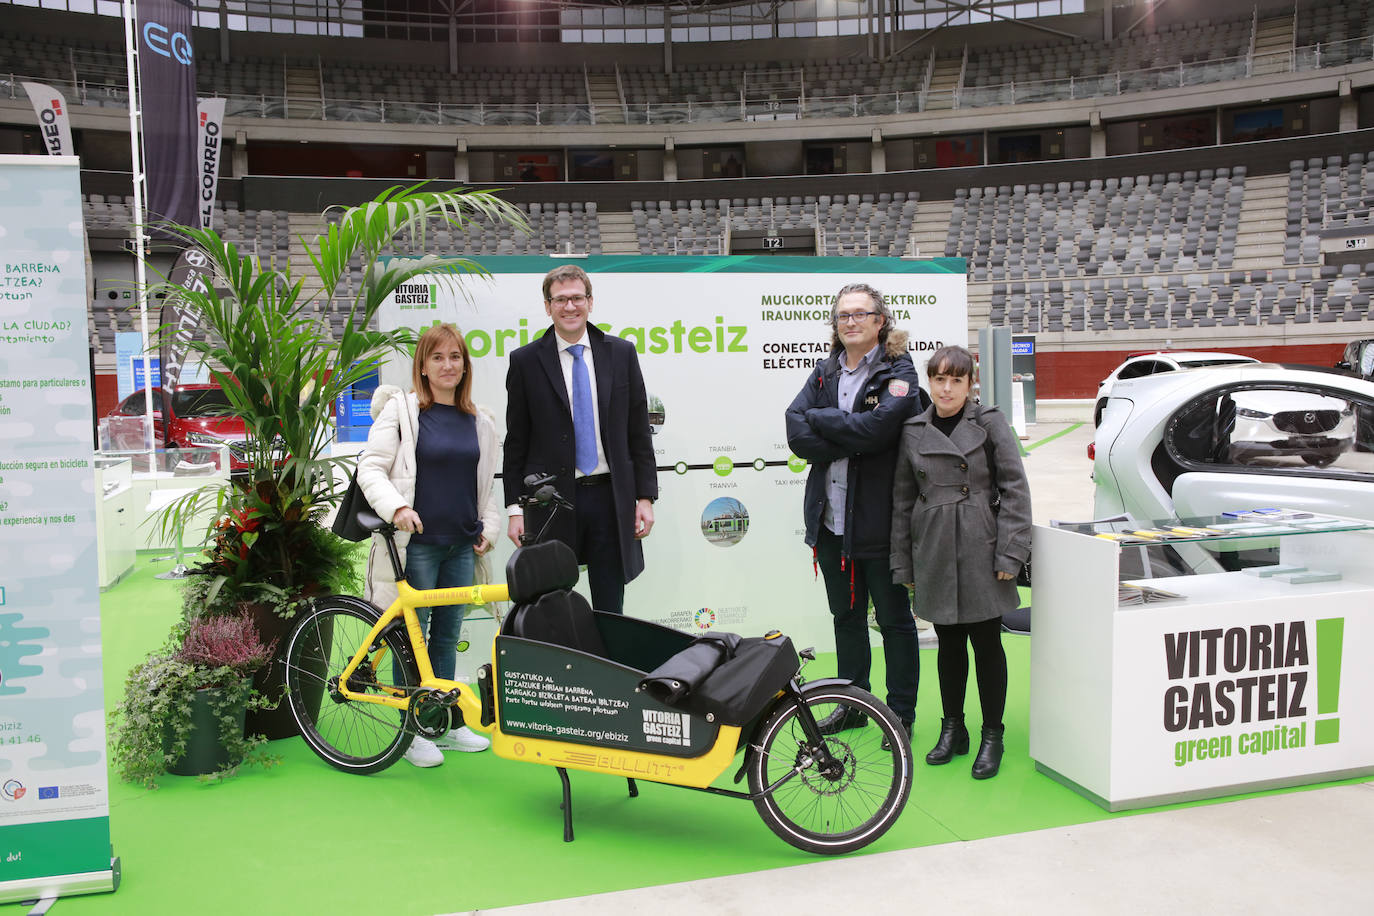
(440, 566)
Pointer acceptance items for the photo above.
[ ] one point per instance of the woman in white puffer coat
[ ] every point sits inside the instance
(429, 468)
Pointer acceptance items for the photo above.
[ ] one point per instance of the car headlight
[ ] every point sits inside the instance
(1252, 414)
(205, 439)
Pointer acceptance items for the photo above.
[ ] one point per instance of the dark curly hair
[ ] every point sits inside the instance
(879, 306)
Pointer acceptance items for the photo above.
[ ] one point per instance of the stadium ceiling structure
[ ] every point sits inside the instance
(892, 27)
(625, 21)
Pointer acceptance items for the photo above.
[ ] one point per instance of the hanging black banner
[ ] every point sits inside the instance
(167, 95)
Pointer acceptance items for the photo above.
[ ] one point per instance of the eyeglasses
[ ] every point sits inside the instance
(574, 301)
(854, 317)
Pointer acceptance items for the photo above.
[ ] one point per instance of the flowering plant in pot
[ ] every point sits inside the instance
(184, 705)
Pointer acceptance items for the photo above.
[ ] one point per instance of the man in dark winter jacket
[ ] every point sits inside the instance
(846, 422)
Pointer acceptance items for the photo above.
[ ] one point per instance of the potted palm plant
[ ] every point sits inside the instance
(263, 334)
(184, 706)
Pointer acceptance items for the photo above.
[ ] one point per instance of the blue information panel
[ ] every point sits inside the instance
(1023, 370)
(353, 410)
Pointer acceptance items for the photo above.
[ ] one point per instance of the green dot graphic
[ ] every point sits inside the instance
(723, 466)
(795, 464)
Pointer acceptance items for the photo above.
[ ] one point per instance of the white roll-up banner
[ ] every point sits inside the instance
(54, 799)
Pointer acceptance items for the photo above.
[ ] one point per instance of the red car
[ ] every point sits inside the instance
(197, 417)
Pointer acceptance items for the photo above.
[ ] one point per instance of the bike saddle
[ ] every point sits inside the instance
(371, 521)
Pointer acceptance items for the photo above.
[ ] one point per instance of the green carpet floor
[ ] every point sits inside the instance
(483, 832)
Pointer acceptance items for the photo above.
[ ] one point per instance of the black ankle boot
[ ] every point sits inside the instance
(953, 740)
(989, 758)
(841, 718)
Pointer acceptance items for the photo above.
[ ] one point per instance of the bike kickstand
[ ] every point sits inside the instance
(634, 789)
(566, 806)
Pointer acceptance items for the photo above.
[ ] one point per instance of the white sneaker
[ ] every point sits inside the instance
(462, 739)
(423, 753)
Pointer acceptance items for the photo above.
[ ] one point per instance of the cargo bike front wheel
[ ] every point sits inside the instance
(839, 792)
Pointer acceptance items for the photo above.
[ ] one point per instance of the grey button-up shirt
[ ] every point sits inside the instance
(851, 382)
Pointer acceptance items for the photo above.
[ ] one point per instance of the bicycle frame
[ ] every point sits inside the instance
(689, 772)
(692, 772)
(408, 599)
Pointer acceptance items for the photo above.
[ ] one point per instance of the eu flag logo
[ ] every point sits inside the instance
(47, 792)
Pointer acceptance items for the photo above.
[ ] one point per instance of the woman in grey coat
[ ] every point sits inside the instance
(961, 521)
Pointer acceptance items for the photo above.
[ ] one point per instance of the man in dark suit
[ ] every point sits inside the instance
(576, 408)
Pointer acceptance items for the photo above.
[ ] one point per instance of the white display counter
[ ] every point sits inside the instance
(1238, 685)
(116, 516)
(170, 469)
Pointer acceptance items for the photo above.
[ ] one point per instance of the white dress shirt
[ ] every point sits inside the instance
(565, 360)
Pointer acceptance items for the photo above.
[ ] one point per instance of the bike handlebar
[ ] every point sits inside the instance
(545, 495)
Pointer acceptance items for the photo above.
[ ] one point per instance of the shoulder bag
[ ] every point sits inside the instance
(1023, 576)
(346, 519)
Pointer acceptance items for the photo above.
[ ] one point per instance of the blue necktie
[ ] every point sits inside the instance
(584, 419)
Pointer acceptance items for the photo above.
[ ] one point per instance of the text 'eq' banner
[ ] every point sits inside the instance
(725, 344)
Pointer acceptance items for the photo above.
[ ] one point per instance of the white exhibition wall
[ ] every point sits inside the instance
(725, 345)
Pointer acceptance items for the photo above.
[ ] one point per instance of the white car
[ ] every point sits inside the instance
(1143, 364)
(1278, 424)
(1189, 444)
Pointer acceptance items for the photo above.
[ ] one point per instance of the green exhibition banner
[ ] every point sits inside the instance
(54, 803)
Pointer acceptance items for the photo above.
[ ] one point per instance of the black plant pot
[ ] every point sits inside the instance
(270, 680)
(274, 722)
(205, 752)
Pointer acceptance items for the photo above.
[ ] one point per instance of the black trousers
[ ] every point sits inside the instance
(988, 655)
(598, 544)
(848, 590)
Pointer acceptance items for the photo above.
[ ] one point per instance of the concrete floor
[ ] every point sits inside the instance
(1300, 852)
(1304, 852)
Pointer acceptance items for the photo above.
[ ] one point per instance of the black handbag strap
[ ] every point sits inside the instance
(988, 449)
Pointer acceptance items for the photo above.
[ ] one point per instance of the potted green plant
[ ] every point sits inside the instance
(282, 369)
(184, 706)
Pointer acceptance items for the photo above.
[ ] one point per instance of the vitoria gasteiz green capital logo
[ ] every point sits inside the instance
(417, 297)
(1249, 690)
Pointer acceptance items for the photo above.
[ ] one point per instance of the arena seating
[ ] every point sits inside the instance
(1202, 300)
(1330, 22)
(1191, 42)
(1163, 222)
(1325, 194)
(682, 227)
(853, 224)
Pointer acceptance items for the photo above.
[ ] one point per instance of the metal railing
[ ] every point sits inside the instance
(1339, 212)
(688, 243)
(91, 87)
